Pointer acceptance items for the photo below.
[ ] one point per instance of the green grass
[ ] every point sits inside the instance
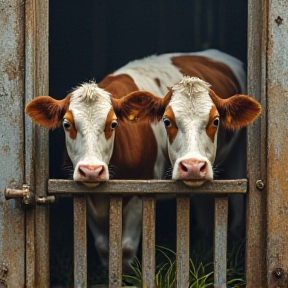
(201, 273)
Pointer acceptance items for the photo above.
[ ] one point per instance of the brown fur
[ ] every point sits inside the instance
(237, 111)
(210, 128)
(47, 111)
(119, 86)
(219, 75)
(173, 129)
(110, 117)
(72, 131)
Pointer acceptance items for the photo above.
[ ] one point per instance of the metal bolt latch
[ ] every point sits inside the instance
(28, 198)
(24, 193)
(45, 199)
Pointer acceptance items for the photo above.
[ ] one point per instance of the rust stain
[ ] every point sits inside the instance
(10, 70)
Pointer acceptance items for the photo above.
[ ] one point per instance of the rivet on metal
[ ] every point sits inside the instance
(279, 20)
(278, 272)
(3, 271)
(260, 184)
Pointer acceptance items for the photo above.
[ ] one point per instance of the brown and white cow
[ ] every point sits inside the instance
(94, 118)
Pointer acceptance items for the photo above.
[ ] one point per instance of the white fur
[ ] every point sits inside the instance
(90, 106)
(191, 105)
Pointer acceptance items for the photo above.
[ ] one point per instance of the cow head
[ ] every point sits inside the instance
(192, 114)
(89, 121)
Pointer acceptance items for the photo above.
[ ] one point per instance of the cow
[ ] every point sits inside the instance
(102, 138)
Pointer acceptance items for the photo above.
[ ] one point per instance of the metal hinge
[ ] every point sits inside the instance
(28, 198)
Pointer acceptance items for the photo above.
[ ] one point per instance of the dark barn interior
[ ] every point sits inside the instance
(91, 38)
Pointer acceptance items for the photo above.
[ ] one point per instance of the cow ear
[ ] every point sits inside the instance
(141, 105)
(237, 111)
(47, 111)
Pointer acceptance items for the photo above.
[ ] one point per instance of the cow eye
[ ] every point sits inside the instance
(66, 124)
(215, 123)
(167, 122)
(114, 124)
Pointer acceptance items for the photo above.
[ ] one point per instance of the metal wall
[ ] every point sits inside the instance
(12, 217)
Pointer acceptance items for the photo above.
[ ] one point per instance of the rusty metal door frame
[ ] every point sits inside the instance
(36, 143)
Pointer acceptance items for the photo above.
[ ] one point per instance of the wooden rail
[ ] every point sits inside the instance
(150, 190)
(144, 187)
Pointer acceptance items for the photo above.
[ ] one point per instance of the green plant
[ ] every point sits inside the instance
(200, 275)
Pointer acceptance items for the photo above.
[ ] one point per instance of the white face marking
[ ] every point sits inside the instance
(90, 106)
(191, 105)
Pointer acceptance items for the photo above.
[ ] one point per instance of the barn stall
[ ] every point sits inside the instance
(26, 42)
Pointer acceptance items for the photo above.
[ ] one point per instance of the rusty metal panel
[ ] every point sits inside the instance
(146, 187)
(277, 148)
(36, 143)
(256, 148)
(115, 242)
(12, 229)
(80, 242)
(148, 242)
(183, 243)
(220, 241)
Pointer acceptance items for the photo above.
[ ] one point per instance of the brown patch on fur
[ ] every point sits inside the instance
(218, 74)
(47, 111)
(119, 85)
(108, 131)
(172, 129)
(72, 130)
(135, 149)
(237, 111)
(157, 82)
(210, 128)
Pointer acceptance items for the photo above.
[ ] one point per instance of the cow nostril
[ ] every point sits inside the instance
(81, 172)
(203, 167)
(183, 167)
(101, 171)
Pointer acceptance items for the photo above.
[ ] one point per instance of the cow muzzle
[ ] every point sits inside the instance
(193, 171)
(91, 175)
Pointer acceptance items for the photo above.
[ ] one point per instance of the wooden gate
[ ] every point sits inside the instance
(24, 244)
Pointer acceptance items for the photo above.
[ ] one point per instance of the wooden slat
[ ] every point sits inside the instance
(255, 259)
(148, 243)
(80, 242)
(183, 243)
(220, 241)
(277, 148)
(115, 242)
(149, 186)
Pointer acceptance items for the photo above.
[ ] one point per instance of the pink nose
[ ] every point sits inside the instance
(91, 173)
(192, 169)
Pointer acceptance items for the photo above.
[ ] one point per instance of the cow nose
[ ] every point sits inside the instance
(191, 169)
(90, 173)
